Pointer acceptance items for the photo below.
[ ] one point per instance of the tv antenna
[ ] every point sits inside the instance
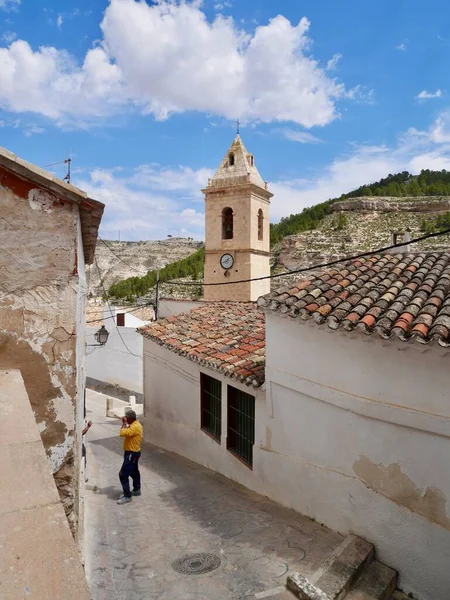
(66, 161)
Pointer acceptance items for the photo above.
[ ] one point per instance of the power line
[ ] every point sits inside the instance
(314, 267)
(119, 258)
(136, 307)
(110, 311)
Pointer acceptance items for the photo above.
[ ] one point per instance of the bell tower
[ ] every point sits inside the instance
(237, 233)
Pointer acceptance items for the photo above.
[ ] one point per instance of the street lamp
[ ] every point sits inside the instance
(101, 336)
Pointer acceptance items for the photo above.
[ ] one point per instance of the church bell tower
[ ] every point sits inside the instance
(237, 234)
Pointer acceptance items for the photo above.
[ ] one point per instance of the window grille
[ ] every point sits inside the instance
(211, 406)
(241, 424)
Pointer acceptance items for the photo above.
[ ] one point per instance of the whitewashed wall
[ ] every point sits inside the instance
(351, 432)
(169, 308)
(172, 413)
(111, 368)
(358, 437)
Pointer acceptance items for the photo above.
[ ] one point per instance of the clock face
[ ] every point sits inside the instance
(226, 261)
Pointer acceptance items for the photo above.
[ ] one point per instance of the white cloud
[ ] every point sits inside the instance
(414, 151)
(150, 202)
(48, 82)
(30, 130)
(332, 64)
(303, 137)
(222, 5)
(401, 47)
(167, 58)
(8, 37)
(424, 95)
(59, 21)
(9, 4)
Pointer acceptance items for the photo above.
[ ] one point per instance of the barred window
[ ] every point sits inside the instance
(241, 424)
(211, 406)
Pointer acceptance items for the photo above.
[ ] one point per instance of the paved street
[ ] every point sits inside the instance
(186, 509)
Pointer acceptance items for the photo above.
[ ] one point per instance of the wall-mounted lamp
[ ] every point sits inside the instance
(101, 336)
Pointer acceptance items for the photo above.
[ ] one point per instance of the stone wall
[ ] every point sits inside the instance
(40, 301)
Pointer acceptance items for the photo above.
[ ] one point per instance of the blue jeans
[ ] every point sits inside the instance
(130, 468)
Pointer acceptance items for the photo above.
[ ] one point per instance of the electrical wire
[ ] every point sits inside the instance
(119, 258)
(314, 267)
(109, 307)
(136, 307)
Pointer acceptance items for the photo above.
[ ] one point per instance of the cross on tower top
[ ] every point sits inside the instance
(238, 123)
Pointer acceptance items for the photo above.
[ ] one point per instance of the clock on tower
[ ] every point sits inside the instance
(237, 244)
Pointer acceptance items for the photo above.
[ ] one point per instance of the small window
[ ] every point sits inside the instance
(227, 224)
(260, 225)
(250, 159)
(231, 159)
(241, 424)
(121, 319)
(211, 406)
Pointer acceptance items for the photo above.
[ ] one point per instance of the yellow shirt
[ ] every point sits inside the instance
(132, 437)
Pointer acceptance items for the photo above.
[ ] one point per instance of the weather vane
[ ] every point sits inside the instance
(237, 126)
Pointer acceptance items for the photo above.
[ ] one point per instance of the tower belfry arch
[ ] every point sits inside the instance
(237, 236)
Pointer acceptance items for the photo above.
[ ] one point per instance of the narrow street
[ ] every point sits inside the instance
(186, 509)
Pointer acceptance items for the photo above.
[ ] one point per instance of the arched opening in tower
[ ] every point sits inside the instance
(227, 224)
(260, 225)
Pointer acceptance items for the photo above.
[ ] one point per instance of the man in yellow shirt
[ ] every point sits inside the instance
(131, 432)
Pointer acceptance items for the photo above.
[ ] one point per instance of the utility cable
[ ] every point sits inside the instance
(119, 258)
(136, 307)
(314, 267)
(110, 311)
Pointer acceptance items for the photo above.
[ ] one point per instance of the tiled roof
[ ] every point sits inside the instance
(228, 337)
(407, 296)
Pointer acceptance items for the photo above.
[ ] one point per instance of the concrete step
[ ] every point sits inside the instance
(377, 582)
(334, 579)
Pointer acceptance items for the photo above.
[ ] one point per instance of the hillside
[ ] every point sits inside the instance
(361, 220)
(401, 185)
(140, 257)
(362, 224)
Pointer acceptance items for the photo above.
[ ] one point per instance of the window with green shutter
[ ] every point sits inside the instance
(241, 424)
(211, 406)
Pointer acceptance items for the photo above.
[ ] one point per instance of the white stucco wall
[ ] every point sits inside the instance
(358, 438)
(112, 364)
(352, 431)
(172, 413)
(170, 308)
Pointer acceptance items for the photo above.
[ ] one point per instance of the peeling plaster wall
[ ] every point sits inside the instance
(40, 309)
(358, 437)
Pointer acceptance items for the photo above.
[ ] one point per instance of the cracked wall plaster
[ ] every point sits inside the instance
(38, 308)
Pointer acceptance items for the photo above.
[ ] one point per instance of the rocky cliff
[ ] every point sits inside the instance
(361, 224)
(120, 260)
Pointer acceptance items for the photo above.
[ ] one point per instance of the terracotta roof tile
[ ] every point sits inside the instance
(228, 337)
(407, 296)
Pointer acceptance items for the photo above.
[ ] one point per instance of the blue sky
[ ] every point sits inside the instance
(143, 95)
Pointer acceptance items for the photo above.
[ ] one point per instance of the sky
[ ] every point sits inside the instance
(143, 96)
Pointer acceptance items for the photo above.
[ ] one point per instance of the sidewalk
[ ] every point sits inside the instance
(186, 509)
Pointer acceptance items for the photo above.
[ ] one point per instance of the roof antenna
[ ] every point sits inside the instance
(66, 161)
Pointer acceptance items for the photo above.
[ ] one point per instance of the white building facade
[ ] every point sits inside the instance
(348, 429)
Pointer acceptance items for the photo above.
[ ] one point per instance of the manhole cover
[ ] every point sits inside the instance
(196, 564)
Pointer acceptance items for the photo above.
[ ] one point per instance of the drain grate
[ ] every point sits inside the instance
(196, 564)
